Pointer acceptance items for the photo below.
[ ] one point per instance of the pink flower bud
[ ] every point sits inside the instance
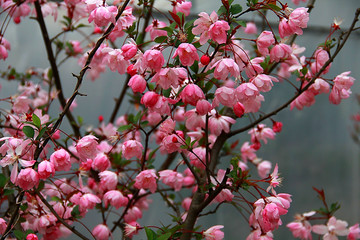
(239, 109)
(129, 51)
(191, 94)
(101, 232)
(132, 148)
(203, 107)
(101, 162)
(31, 236)
(187, 54)
(137, 83)
(150, 99)
(205, 59)
(61, 160)
(27, 178)
(153, 59)
(147, 180)
(46, 169)
(87, 147)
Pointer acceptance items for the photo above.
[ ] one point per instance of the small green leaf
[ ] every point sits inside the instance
(165, 236)
(124, 128)
(3, 181)
(235, 9)
(8, 192)
(137, 117)
(24, 206)
(160, 39)
(29, 131)
(274, 7)
(151, 235)
(221, 10)
(41, 133)
(36, 120)
(75, 213)
(80, 120)
(19, 234)
(166, 92)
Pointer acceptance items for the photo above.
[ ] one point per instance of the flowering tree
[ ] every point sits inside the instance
(190, 81)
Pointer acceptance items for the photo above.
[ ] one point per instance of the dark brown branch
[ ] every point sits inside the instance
(54, 68)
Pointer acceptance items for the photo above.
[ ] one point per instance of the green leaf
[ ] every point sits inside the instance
(165, 236)
(160, 39)
(41, 133)
(41, 186)
(24, 206)
(80, 120)
(221, 10)
(137, 117)
(8, 192)
(75, 213)
(166, 92)
(3, 181)
(150, 234)
(124, 128)
(274, 7)
(235, 9)
(19, 234)
(29, 131)
(36, 120)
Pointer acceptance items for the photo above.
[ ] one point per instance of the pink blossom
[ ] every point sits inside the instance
(108, 180)
(16, 11)
(61, 160)
(248, 94)
(306, 98)
(153, 59)
(321, 57)
(194, 120)
(253, 67)
(264, 168)
(214, 233)
(280, 52)
(101, 162)
(115, 60)
(21, 104)
(332, 229)
(46, 169)
(320, 86)
(263, 82)
(115, 198)
(168, 77)
(203, 24)
(225, 96)
(219, 123)
(154, 30)
(88, 201)
(186, 203)
(131, 228)
(203, 107)
(217, 31)
(150, 99)
(133, 214)
(247, 152)
(267, 211)
(31, 236)
(86, 147)
(172, 179)
(129, 50)
(191, 94)
(341, 88)
(261, 132)
(3, 226)
(224, 67)
(258, 235)
(296, 2)
(264, 41)
(27, 178)
(354, 232)
(132, 148)
(182, 6)
(239, 109)
(147, 180)
(101, 232)
(102, 16)
(298, 19)
(250, 28)
(4, 47)
(187, 54)
(197, 157)
(170, 143)
(300, 229)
